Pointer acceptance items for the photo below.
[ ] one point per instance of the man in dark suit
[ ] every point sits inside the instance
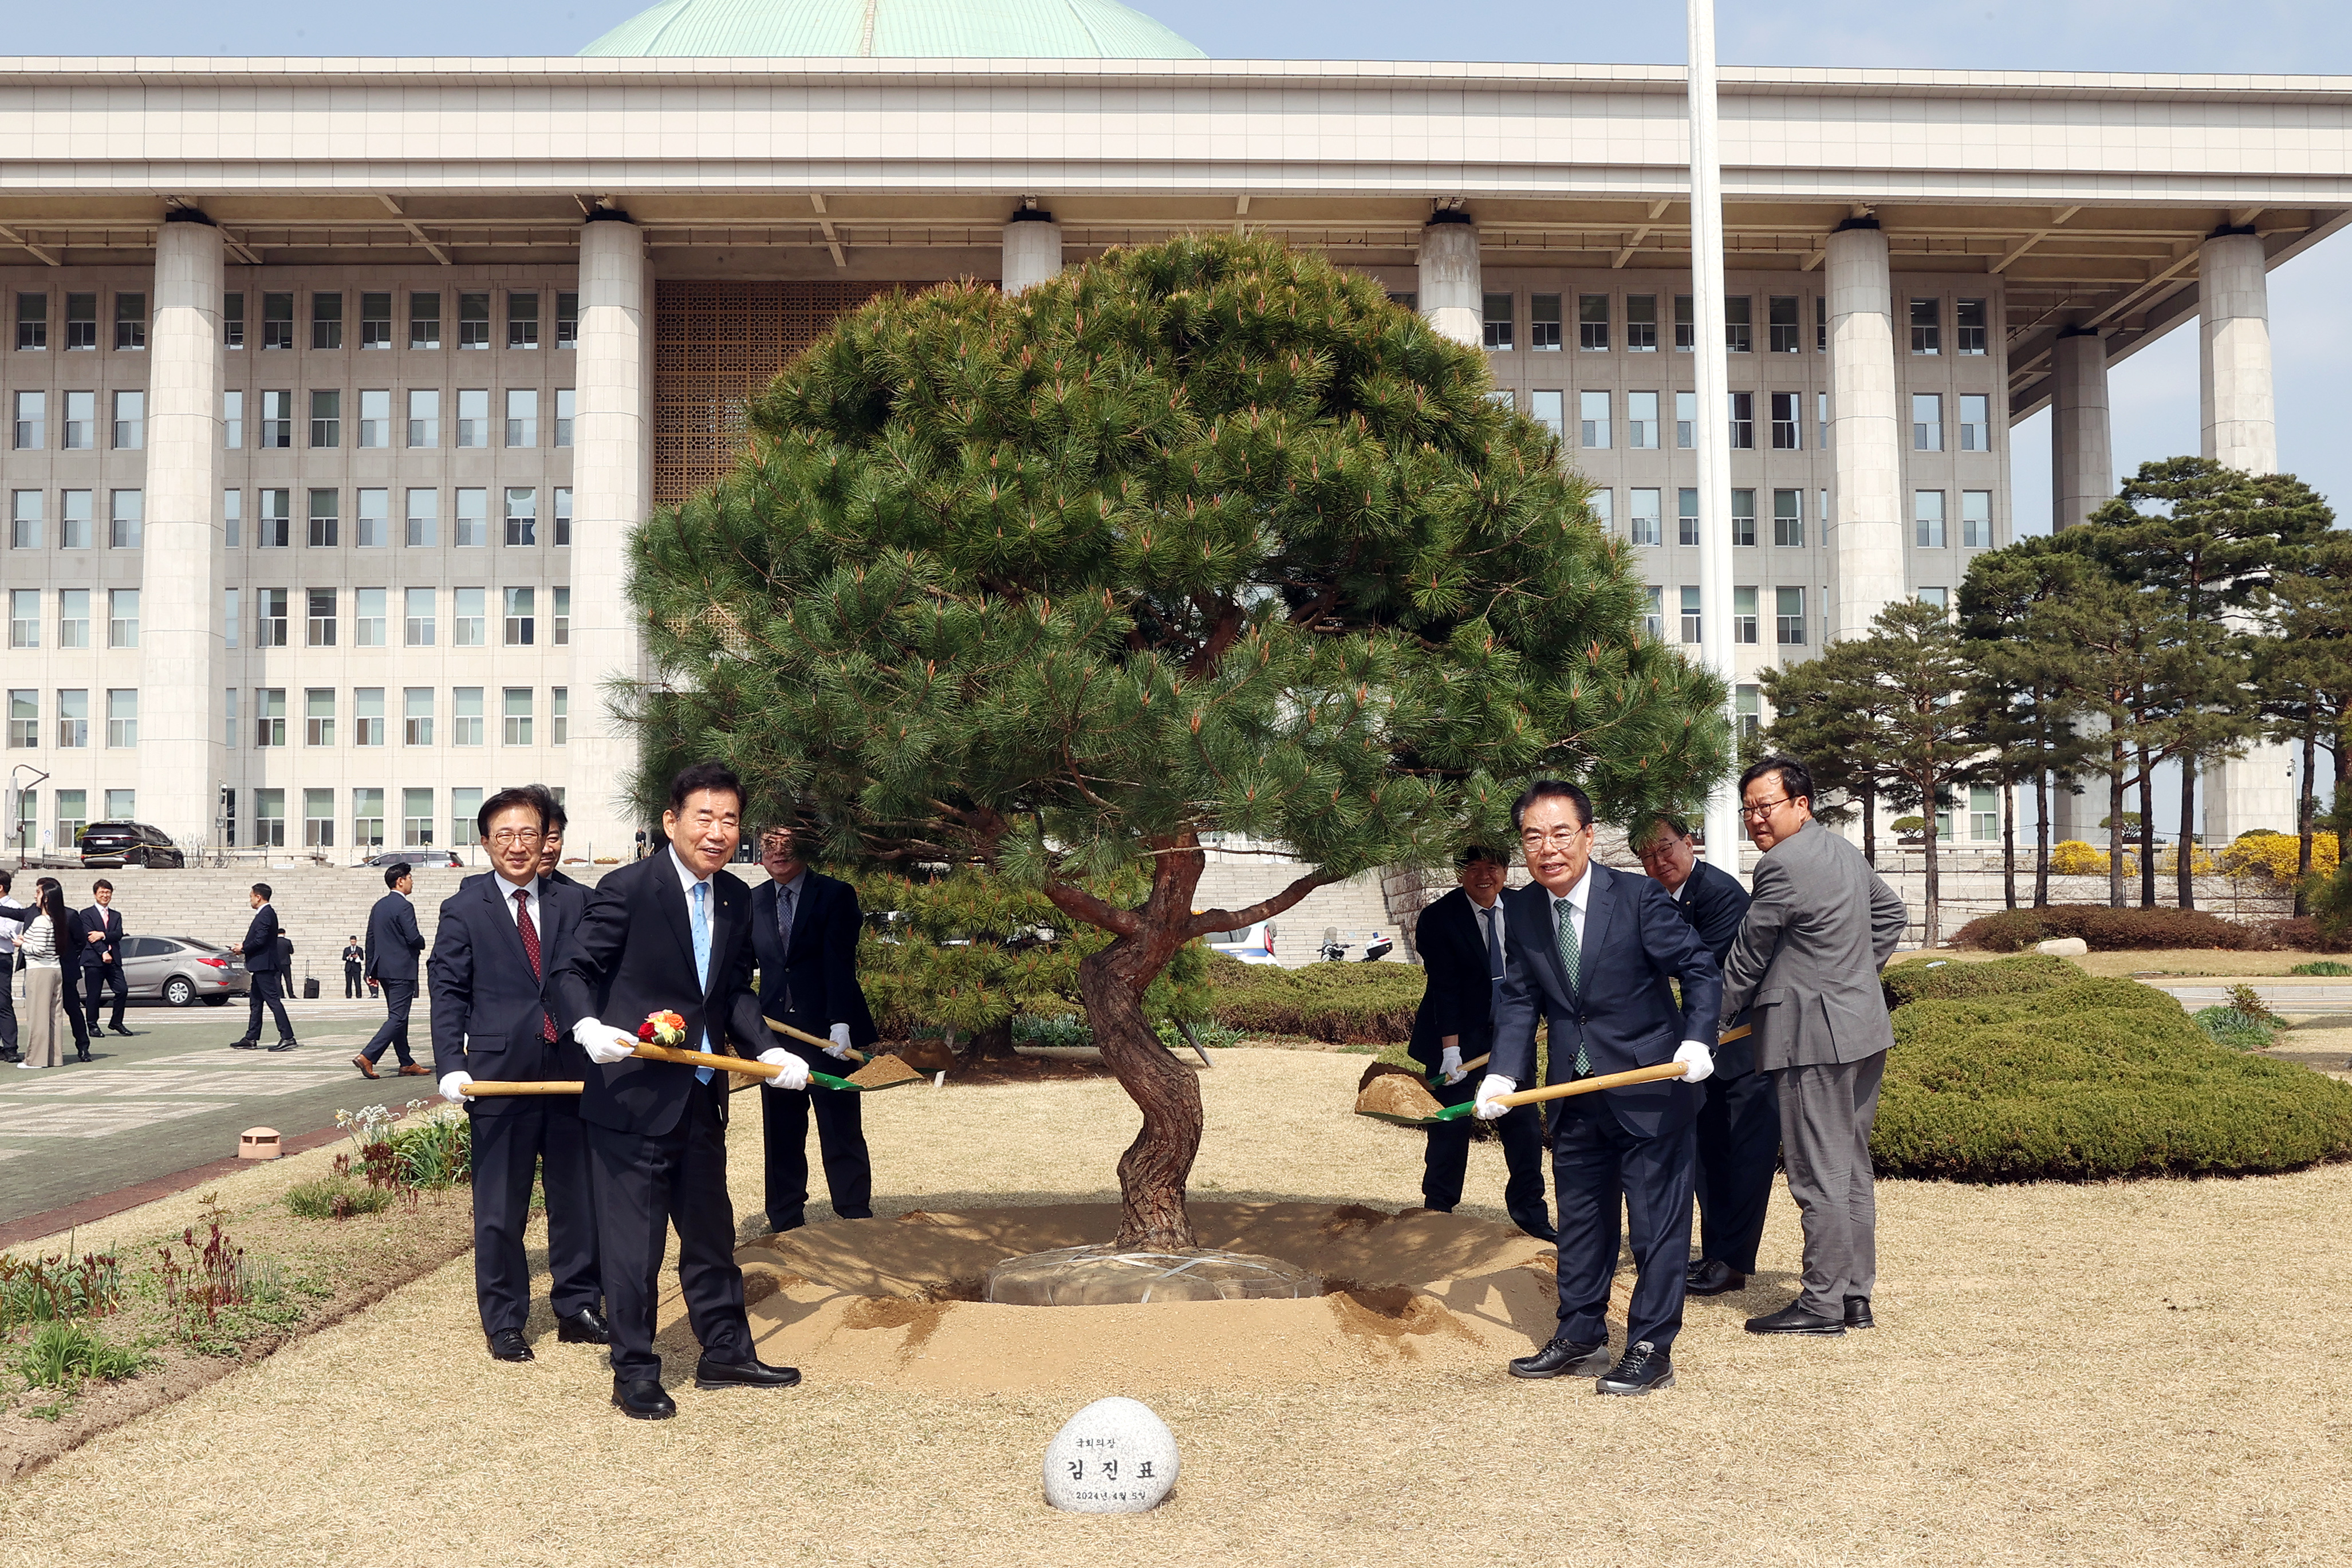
(1460, 940)
(102, 956)
(390, 960)
(551, 848)
(1589, 951)
(493, 954)
(355, 969)
(1739, 1119)
(265, 966)
(70, 944)
(805, 935)
(669, 934)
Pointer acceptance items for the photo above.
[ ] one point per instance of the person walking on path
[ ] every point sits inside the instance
(393, 945)
(102, 957)
(12, 919)
(70, 940)
(45, 979)
(1820, 926)
(266, 965)
(354, 970)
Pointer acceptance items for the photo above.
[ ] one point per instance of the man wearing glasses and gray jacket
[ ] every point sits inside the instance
(1819, 925)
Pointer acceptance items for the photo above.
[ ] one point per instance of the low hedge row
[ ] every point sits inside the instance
(2108, 930)
(1945, 980)
(2087, 1081)
(1344, 1003)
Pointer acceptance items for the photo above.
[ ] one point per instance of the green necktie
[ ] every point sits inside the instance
(1566, 926)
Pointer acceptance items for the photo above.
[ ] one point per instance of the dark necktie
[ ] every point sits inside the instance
(788, 897)
(1570, 959)
(1493, 951)
(530, 951)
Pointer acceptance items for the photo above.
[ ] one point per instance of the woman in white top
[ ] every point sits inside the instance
(43, 981)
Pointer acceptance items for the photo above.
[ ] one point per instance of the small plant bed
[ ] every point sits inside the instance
(93, 1337)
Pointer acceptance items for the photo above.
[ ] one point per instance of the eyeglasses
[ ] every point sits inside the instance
(505, 835)
(1559, 838)
(1762, 809)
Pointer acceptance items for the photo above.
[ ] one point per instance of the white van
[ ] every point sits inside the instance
(1251, 944)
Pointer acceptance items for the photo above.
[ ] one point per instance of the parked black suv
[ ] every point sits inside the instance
(127, 843)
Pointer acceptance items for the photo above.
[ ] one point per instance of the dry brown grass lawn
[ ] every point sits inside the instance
(2126, 1374)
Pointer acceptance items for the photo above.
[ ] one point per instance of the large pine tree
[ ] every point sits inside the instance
(1205, 538)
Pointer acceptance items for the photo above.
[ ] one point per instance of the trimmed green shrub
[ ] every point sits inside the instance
(1944, 980)
(2108, 930)
(2323, 966)
(2233, 1028)
(2090, 1081)
(336, 1197)
(1345, 1004)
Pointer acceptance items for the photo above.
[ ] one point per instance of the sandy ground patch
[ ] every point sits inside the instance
(2147, 1373)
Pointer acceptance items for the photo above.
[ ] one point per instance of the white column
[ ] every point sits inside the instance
(2240, 418)
(2081, 456)
(1713, 433)
(612, 492)
(1033, 250)
(2082, 480)
(2240, 431)
(1866, 568)
(180, 723)
(1452, 291)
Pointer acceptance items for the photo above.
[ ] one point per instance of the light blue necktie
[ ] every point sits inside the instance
(702, 962)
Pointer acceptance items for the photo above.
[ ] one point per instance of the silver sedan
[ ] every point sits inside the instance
(182, 970)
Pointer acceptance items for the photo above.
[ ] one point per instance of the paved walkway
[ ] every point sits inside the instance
(2313, 997)
(176, 1096)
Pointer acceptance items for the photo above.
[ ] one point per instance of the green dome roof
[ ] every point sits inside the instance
(898, 29)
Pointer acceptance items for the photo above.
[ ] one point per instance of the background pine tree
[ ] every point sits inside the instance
(1202, 538)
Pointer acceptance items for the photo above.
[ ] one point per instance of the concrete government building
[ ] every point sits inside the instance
(333, 385)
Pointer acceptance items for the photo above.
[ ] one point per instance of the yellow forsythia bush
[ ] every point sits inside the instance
(2273, 855)
(2073, 858)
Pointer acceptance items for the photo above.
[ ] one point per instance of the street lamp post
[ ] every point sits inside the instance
(1712, 434)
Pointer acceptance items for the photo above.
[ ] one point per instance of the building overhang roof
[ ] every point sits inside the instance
(2087, 195)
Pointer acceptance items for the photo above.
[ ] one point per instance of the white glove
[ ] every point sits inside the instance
(1450, 1064)
(453, 1086)
(795, 1073)
(1490, 1105)
(840, 1048)
(605, 1044)
(1698, 1059)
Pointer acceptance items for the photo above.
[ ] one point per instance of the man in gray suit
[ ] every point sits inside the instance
(1819, 927)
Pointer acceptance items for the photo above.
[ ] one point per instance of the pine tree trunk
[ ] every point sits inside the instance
(2185, 877)
(1870, 826)
(1934, 892)
(2304, 809)
(993, 1042)
(2115, 823)
(2007, 844)
(2147, 832)
(2042, 795)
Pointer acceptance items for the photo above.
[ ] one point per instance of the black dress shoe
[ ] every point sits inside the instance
(1710, 1278)
(584, 1327)
(1563, 1358)
(753, 1374)
(1642, 1368)
(790, 1221)
(1857, 1313)
(507, 1345)
(1793, 1319)
(82, 1055)
(244, 1045)
(126, 1034)
(286, 1045)
(644, 1399)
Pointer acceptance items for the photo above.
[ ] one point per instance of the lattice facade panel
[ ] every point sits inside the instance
(717, 344)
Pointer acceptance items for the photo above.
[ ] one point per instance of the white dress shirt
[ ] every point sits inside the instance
(531, 890)
(1571, 905)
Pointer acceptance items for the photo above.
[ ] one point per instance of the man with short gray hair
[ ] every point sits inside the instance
(1819, 925)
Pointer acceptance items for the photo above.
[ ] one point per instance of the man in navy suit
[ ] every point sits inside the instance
(670, 933)
(1460, 940)
(497, 942)
(392, 944)
(265, 968)
(102, 956)
(1739, 1119)
(805, 935)
(1589, 951)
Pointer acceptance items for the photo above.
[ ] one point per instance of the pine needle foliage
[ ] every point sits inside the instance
(1202, 537)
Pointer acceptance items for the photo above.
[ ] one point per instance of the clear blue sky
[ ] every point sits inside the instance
(2155, 393)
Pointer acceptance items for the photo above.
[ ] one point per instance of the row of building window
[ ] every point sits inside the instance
(1598, 323)
(267, 827)
(322, 624)
(1789, 607)
(375, 319)
(320, 527)
(315, 725)
(1645, 522)
(1598, 429)
(371, 426)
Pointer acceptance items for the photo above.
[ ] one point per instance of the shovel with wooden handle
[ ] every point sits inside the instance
(804, 1037)
(1409, 1105)
(495, 1089)
(1438, 1075)
(877, 1081)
